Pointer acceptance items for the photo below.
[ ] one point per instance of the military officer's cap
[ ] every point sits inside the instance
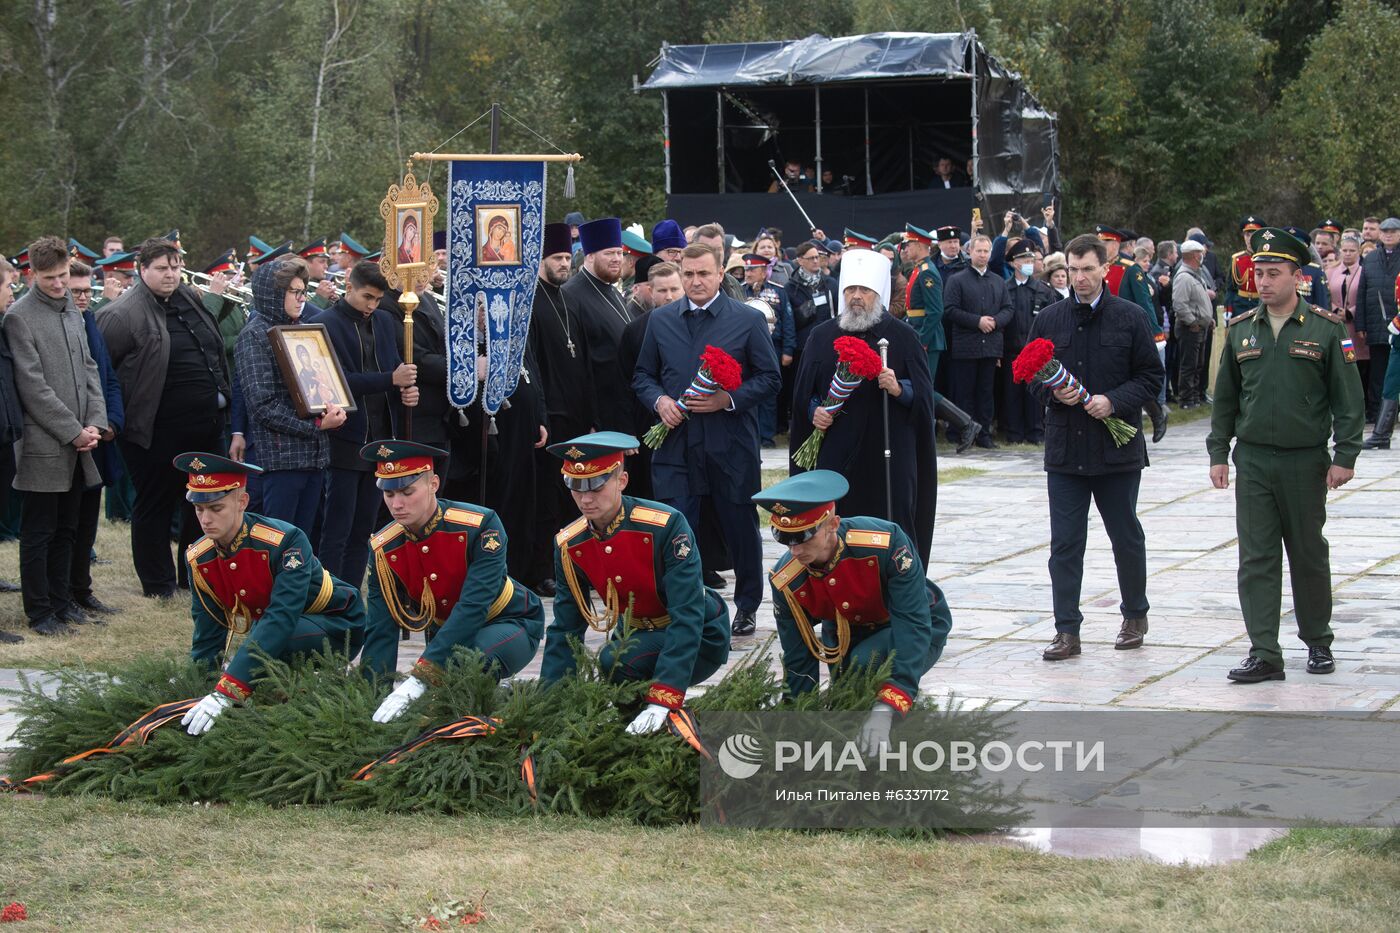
(347, 244)
(210, 477)
(1272, 244)
(257, 249)
(174, 237)
(755, 261)
(1299, 233)
(20, 260)
(1022, 247)
(1251, 223)
(1330, 226)
(224, 263)
(634, 243)
(603, 233)
(276, 252)
(913, 234)
(853, 240)
(1111, 234)
(375, 256)
(799, 504)
(591, 459)
(314, 248)
(398, 463)
(78, 251)
(948, 233)
(124, 263)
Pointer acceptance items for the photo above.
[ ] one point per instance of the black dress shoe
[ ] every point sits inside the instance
(968, 437)
(48, 625)
(10, 638)
(92, 604)
(7, 587)
(72, 615)
(1320, 660)
(714, 580)
(986, 443)
(1253, 671)
(744, 624)
(170, 593)
(1159, 423)
(545, 588)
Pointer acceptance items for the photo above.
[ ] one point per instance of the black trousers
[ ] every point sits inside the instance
(1380, 357)
(974, 388)
(160, 496)
(1022, 413)
(1115, 495)
(738, 527)
(1191, 348)
(47, 528)
(347, 521)
(80, 567)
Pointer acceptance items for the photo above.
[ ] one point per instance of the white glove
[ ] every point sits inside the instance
(649, 720)
(205, 712)
(874, 734)
(395, 703)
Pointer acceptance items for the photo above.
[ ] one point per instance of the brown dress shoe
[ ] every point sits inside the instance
(1130, 635)
(1063, 646)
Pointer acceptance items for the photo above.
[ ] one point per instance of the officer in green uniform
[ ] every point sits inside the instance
(862, 582)
(640, 558)
(441, 566)
(1285, 385)
(923, 310)
(254, 578)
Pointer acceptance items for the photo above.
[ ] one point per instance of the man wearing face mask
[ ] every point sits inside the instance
(1028, 296)
(850, 592)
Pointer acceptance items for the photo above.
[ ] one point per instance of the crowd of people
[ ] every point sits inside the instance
(109, 393)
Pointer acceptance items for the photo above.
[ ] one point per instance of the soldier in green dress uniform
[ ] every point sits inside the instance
(441, 566)
(1285, 385)
(640, 558)
(861, 581)
(255, 578)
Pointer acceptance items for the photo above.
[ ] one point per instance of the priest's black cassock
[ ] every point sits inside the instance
(600, 311)
(854, 444)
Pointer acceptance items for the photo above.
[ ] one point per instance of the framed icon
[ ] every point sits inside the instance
(497, 234)
(310, 369)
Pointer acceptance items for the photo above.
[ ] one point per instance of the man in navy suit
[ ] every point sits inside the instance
(713, 453)
(365, 339)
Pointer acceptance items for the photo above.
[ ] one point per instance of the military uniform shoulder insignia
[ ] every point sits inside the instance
(570, 531)
(491, 540)
(903, 559)
(1241, 317)
(649, 516)
(199, 548)
(266, 534)
(463, 517)
(385, 535)
(1332, 316)
(868, 538)
(292, 559)
(787, 572)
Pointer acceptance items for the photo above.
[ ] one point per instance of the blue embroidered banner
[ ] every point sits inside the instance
(495, 230)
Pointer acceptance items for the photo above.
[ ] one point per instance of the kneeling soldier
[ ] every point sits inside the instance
(255, 576)
(861, 580)
(441, 566)
(640, 558)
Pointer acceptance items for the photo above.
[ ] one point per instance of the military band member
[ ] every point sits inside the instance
(1240, 294)
(640, 558)
(1286, 384)
(441, 566)
(861, 581)
(318, 264)
(255, 578)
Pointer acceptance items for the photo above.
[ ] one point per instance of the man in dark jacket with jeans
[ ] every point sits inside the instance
(977, 310)
(1375, 306)
(1104, 341)
(363, 335)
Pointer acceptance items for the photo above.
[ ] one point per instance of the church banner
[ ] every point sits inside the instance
(495, 229)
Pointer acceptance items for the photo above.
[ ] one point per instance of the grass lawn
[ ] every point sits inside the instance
(145, 626)
(80, 863)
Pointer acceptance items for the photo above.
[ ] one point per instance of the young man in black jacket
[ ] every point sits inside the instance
(1104, 341)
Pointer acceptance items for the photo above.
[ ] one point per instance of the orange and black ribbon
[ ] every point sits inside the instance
(468, 727)
(138, 733)
(682, 724)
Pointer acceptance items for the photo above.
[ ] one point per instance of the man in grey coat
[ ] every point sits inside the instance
(1191, 316)
(64, 417)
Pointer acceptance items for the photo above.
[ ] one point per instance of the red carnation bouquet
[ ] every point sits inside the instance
(855, 362)
(1037, 364)
(718, 370)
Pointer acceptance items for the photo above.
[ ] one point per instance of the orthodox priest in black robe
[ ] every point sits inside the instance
(855, 442)
(559, 345)
(600, 311)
